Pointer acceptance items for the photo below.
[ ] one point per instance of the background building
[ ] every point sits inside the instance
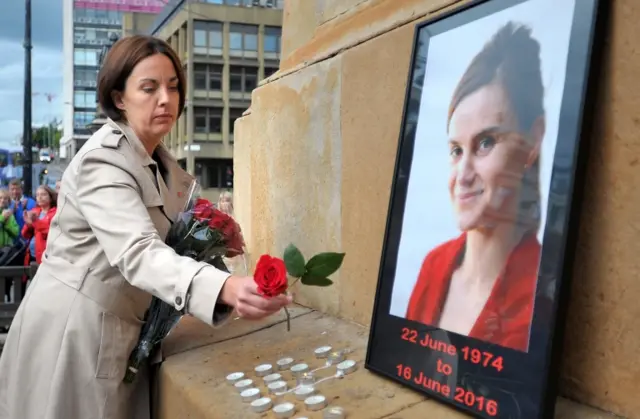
(226, 47)
(87, 26)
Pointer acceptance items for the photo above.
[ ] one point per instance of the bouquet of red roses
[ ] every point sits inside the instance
(201, 232)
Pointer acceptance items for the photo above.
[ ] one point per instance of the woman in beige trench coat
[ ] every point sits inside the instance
(66, 353)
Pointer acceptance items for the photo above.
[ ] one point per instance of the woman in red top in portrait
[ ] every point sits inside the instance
(482, 284)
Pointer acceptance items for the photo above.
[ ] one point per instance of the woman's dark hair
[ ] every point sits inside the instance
(120, 61)
(53, 196)
(511, 59)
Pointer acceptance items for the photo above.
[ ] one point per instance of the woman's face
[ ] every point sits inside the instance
(42, 198)
(4, 200)
(488, 158)
(151, 97)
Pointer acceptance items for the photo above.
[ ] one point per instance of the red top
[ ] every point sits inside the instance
(40, 230)
(507, 314)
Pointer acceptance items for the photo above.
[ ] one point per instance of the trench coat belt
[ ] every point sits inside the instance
(111, 297)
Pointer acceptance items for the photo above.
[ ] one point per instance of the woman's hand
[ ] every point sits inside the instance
(242, 294)
(26, 216)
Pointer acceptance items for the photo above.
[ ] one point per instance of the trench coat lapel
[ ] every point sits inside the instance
(174, 193)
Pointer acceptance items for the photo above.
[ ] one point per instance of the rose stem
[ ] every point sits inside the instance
(287, 311)
(288, 319)
(294, 282)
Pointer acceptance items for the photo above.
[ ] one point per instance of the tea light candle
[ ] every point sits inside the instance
(244, 384)
(304, 392)
(335, 357)
(261, 405)
(264, 369)
(334, 413)
(316, 402)
(272, 377)
(347, 367)
(284, 410)
(299, 368)
(277, 387)
(305, 378)
(250, 395)
(322, 351)
(235, 377)
(284, 363)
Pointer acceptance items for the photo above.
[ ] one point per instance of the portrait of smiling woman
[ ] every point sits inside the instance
(67, 350)
(482, 283)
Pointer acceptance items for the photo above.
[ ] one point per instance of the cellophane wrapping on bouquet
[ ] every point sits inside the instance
(201, 232)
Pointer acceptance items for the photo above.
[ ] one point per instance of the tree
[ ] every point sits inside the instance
(47, 136)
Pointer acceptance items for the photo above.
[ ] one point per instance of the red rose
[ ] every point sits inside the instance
(235, 245)
(271, 276)
(203, 210)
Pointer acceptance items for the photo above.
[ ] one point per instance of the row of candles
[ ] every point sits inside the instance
(305, 389)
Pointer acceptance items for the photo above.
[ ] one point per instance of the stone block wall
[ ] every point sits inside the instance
(314, 160)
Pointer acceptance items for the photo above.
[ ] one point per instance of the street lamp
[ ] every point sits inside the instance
(27, 133)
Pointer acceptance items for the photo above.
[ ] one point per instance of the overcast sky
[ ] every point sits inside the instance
(46, 64)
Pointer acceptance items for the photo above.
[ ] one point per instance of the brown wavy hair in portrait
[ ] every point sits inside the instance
(120, 61)
(512, 59)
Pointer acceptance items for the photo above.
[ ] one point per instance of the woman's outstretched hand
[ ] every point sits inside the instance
(242, 294)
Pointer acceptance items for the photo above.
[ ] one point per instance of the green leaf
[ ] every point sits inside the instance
(294, 261)
(324, 264)
(316, 281)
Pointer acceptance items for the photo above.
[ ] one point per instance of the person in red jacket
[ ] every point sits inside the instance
(37, 222)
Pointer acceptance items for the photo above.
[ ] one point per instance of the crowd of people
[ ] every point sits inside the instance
(24, 227)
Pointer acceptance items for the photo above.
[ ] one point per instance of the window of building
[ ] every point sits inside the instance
(207, 34)
(110, 17)
(82, 119)
(234, 113)
(85, 75)
(84, 99)
(272, 36)
(243, 79)
(83, 35)
(269, 71)
(243, 37)
(207, 120)
(86, 56)
(214, 173)
(200, 38)
(207, 77)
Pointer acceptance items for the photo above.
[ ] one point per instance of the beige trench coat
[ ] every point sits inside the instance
(66, 353)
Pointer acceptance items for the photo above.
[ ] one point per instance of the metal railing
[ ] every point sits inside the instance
(15, 273)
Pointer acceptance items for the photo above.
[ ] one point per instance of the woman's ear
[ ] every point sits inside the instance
(537, 134)
(117, 100)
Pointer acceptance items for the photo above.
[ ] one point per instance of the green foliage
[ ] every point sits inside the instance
(46, 136)
(316, 281)
(324, 264)
(317, 270)
(294, 261)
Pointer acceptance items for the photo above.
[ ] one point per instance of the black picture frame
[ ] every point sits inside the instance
(523, 385)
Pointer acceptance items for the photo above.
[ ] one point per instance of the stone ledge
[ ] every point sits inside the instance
(193, 385)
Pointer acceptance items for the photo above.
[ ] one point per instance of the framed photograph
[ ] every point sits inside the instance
(475, 270)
